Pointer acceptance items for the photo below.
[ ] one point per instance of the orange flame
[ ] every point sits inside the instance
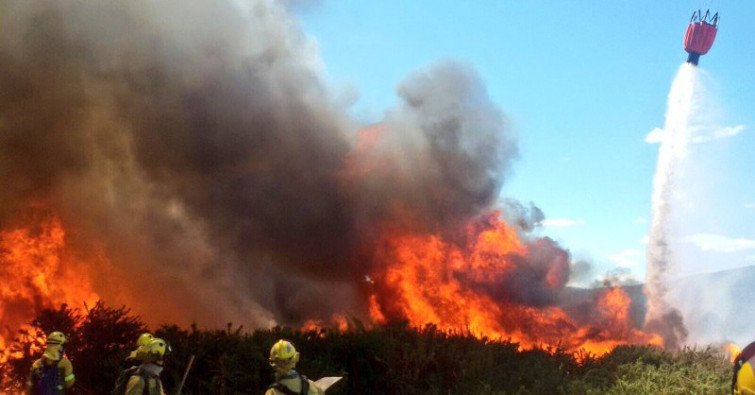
(733, 351)
(337, 321)
(427, 280)
(37, 273)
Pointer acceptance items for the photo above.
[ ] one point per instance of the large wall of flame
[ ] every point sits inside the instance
(197, 160)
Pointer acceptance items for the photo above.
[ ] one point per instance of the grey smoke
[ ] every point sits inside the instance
(525, 218)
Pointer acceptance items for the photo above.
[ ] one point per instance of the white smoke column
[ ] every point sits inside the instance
(661, 317)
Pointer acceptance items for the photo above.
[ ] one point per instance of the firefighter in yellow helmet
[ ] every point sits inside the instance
(53, 372)
(743, 381)
(283, 359)
(146, 379)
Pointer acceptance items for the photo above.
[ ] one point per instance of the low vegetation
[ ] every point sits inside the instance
(394, 359)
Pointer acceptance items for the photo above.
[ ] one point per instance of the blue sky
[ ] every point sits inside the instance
(583, 83)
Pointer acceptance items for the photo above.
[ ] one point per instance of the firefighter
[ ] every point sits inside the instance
(146, 379)
(53, 372)
(283, 359)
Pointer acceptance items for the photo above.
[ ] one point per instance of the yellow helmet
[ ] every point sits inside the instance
(155, 350)
(56, 338)
(283, 353)
(55, 343)
(745, 383)
(141, 344)
(144, 339)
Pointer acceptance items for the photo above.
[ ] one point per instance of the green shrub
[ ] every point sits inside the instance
(648, 370)
(394, 359)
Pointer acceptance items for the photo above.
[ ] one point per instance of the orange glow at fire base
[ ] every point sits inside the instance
(421, 278)
(337, 322)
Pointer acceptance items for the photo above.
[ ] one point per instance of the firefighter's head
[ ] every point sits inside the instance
(144, 339)
(142, 343)
(155, 351)
(56, 342)
(283, 356)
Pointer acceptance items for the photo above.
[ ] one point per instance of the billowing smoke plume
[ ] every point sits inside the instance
(438, 159)
(661, 317)
(193, 154)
